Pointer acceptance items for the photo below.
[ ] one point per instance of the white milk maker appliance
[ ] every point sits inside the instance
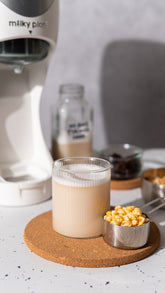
(28, 34)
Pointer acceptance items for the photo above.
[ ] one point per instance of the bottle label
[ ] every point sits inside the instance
(79, 130)
(75, 132)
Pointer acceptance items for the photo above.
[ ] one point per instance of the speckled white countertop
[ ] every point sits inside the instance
(23, 271)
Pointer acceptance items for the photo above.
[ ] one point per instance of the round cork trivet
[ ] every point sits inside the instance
(45, 242)
(126, 184)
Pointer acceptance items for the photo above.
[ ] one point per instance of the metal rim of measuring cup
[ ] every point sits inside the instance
(153, 194)
(126, 237)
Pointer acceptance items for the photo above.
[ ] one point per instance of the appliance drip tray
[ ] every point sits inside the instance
(23, 177)
(23, 172)
(24, 184)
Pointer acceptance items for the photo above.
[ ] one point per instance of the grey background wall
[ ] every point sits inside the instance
(116, 49)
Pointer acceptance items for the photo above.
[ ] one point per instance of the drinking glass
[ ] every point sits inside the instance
(81, 196)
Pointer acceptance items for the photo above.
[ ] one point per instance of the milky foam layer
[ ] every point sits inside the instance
(81, 175)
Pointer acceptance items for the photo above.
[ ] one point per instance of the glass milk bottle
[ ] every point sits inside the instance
(72, 124)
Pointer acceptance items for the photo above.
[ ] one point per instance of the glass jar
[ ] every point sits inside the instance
(72, 123)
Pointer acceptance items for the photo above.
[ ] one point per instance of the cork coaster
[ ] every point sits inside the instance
(45, 242)
(126, 184)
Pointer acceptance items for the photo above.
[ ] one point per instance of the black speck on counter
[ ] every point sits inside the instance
(19, 267)
(91, 286)
(6, 275)
(107, 283)
(28, 279)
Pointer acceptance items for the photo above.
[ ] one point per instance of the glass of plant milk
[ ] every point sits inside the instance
(81, 196)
